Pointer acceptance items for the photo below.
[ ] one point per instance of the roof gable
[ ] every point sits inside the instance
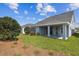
(64, 17)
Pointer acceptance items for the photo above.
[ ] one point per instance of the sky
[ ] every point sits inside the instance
(26, 13)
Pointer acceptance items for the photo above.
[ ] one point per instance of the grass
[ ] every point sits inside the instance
(69, 47)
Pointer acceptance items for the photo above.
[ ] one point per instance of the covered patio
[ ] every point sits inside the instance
(60, 31)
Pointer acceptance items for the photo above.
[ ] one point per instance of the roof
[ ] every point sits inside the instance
(28, 25)
(57, 19)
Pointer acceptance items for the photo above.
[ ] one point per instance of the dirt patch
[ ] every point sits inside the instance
(17, 48)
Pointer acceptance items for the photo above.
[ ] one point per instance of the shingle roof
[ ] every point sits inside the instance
(28, 25)
(61, 18)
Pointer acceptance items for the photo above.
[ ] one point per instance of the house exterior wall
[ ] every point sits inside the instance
(72, 24)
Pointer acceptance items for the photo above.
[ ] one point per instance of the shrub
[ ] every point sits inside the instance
(9, 28)
(37, 33)
(27, 30)
(32, 33)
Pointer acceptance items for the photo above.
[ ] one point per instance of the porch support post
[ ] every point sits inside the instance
(23, 30)
(65, 31)
(48, 31)
(69, 32)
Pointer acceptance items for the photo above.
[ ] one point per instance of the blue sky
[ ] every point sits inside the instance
(26, 13)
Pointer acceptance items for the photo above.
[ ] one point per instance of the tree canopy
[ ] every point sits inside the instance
(9, 28)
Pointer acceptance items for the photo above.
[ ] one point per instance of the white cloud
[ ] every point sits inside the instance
(39, 7)
(73, 6)
(43, 9)
(28, 18)
(67, 9)
(26, 12)
(43, 14)
(15, 11)
(41, 19)
(14, 7)
(49, 8)
(20, 17)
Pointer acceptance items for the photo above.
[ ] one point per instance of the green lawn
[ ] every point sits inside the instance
(69, 47)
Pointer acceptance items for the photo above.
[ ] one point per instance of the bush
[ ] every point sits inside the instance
(9, 28)
(32, 33)
(37, 33)
(27, 30)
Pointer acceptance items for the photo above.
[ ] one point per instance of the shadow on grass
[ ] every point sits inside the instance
(76, 35)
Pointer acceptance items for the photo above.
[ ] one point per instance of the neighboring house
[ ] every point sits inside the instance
(77, 27)
(59, 26)
(32, 26)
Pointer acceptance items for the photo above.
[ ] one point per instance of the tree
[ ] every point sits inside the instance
(9, 28)
(30, 30)
(27, 30)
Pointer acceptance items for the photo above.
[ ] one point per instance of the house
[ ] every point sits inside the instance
(31, 26)
(59, 26)
(77, 27)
